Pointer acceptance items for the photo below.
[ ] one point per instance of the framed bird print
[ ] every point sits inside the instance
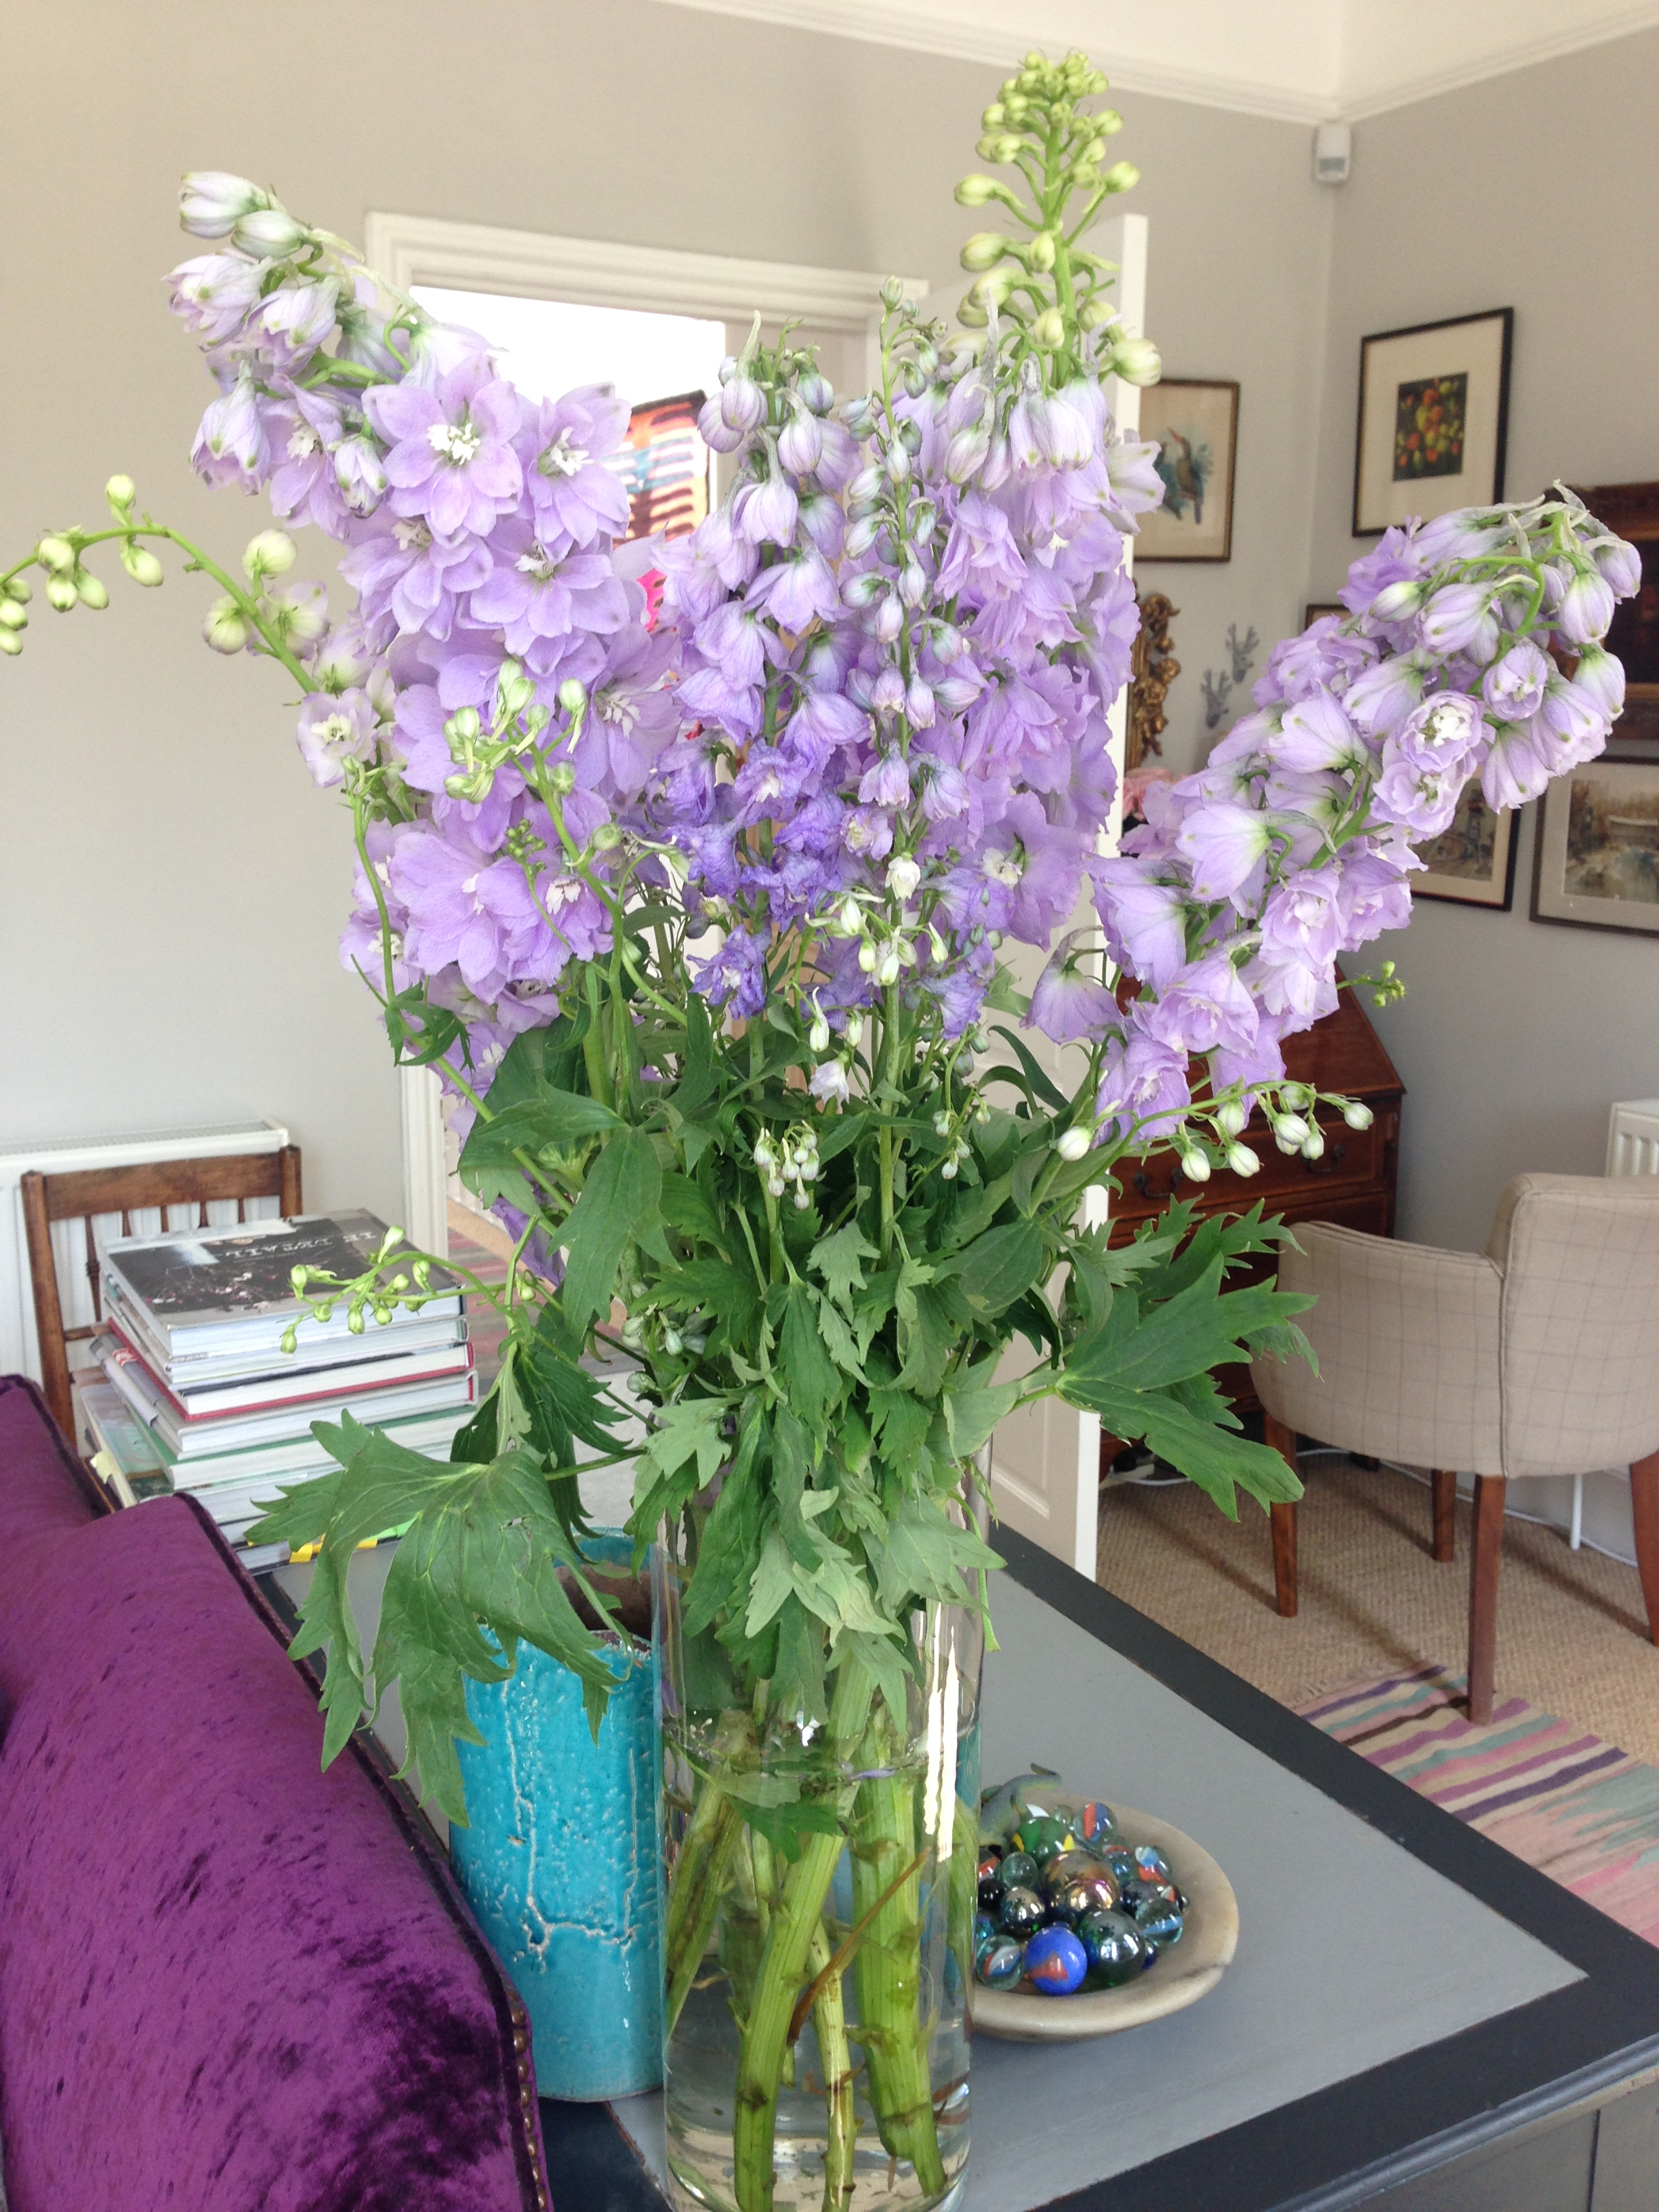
(1195, 425)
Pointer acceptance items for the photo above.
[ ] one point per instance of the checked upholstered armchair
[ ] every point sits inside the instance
(1539, 1356)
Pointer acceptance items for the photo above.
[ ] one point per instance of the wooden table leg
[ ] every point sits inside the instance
(1282, 1440)
(1444, 1480)
(1644, 1510)
(1487, 1557)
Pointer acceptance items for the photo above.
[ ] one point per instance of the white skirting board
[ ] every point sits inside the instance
(19, 1353)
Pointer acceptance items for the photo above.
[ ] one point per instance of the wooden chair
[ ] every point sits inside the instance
(125, 1191)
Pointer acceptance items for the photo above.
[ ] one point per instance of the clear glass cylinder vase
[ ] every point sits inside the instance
(819, 1889)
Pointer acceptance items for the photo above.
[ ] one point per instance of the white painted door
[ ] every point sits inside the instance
(1045, 1462)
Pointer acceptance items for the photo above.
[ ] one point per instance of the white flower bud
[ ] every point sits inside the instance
(888, 973)
(902, 877)
(1313, 1144)
(1290, 1131)
(868, 957)
(56, 554)
(1231, 1119)
(270, 234)
(855, 1031)
(61, 594)
(817, 1036)
(984, 250)
(120, 491)
(141, 564)
(211, 202)
(1137, 361)
(1358, 1115)
(92, 593)
(272, 553)
(12, 615)
(1195, 1166)
(225, 630)
(1071, 1145)
(1242, 1160)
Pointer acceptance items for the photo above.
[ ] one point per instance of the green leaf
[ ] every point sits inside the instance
(998, 1267)
(970, 1415)
(925, 1555)
(929, 1339)
(1206, 1454)
(686, 1210)
(690, 1427)
(814, 1383)
(837, 1258)
(1038, 1083)
(619, 1199)
(838, 1337)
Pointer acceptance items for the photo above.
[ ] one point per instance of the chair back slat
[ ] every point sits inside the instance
(90, 1193)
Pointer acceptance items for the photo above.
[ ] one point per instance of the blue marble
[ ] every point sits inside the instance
(560, 1863)
(1055, 1962)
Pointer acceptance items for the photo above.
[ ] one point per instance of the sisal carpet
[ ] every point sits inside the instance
(1576, 1808)
(1572, 1630)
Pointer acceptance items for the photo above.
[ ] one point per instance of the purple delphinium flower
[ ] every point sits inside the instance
(563, 447)
(1068, 1003)
(451, 460)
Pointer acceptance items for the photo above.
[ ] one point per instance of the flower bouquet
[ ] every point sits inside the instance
(702, 923)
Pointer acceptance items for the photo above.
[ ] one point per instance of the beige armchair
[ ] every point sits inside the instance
(1538, 1357)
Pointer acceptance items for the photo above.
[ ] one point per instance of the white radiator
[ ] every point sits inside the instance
(1633, 1138)
(18, 1352)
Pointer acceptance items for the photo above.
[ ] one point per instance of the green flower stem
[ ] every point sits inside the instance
(888, 1965)
(712, 1835)
(783, 1967)
(835, 2058)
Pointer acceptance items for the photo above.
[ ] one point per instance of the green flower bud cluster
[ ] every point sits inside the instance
(1043, 125)
(375, 1294)
(514, 732)
(69, 583)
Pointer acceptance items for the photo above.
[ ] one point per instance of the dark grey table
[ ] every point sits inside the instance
(1415, 2020)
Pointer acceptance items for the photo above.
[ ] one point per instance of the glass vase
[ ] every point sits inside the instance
(819, 1890)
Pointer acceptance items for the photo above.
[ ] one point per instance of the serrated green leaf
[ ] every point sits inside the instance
(690, 1428)
(814, 1382)
(837, 1258)
(1206, 1454)
(619, 1200)
(839, 1338)
(998, 1267)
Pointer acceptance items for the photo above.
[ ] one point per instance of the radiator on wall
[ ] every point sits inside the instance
(18, 1352)
(1633, 1138)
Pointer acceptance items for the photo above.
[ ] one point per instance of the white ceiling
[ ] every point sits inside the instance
(1305, 61)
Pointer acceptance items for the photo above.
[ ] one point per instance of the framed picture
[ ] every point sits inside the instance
(1315, 608)
(1433, 419)
(1598, 861)
(1196, 428)
(1632, 510)
(1473, 860)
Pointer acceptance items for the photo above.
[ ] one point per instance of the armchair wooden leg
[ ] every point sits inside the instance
(1644, 1508)
(1444, 1480)
(1487, 1557)
(1282, 1440)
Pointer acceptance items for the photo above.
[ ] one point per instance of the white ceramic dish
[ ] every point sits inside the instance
(1180, 1975)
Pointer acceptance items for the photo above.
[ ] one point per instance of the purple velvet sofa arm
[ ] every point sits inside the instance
(227, 1978)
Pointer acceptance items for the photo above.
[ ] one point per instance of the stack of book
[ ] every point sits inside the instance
(197, 1395)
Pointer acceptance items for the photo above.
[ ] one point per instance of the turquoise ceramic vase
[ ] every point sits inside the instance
(560, 1863)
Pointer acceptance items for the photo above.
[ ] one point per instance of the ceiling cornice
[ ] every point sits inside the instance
(1366, 88)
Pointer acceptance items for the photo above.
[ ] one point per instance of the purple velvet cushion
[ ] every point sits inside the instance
(227, 1979)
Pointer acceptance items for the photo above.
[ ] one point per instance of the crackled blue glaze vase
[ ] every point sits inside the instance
(560, 1863)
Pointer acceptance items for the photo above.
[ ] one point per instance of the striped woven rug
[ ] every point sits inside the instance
(1579, 1809)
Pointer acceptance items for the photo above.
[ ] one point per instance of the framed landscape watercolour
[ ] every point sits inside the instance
(1196, 428)
(1472, 860)
(1597, 862)
(1632, 510)
(1433, 419)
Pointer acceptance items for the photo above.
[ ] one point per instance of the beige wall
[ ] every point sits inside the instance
(171, 886)
(1536, 191)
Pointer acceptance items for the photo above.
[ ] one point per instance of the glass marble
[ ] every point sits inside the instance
(1083, 1894)
(1116, 1948)
(1023, 1911)
(1019, 1871)
(1045, 1838)
(1097, 1824)
(1055, 1962)
(1121, 1861)
(1152, 1863)
(1159, 1917)
(999, 1962)
(1065, 1868)
(986, 1924)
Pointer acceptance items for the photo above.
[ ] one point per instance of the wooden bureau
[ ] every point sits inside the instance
(1353, 1182)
